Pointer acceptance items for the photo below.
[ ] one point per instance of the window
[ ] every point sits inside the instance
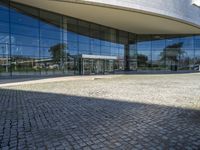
(187, 42)
(4, 15)
(197, 42)
(4, 27)
(24, 30)
(25, 51)
(24, 40)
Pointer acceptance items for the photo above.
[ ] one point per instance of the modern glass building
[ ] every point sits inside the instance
(39, 38)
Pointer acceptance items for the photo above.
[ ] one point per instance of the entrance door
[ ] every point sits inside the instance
(97, 66)
(109, 66)
(93, 66)
(88, 67)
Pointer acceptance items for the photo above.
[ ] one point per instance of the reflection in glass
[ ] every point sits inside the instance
(4, 38)
(38, 42)
(158, 45)
(24, 40)
(197, 58)
(144, 52)
(197, 42)
(171, 55)
(4, 60)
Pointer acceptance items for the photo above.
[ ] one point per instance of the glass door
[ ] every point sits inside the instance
(109, 66)
(99, 66)
(89, 66)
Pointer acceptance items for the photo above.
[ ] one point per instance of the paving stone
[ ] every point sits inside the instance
(73, 115)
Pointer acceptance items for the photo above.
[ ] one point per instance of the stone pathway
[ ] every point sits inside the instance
(31, 119)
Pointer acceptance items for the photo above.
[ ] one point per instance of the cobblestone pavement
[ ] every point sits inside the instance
(82, 114)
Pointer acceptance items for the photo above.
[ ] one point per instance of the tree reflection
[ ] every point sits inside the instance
(142, 60)
(58, 53)
(172, 54)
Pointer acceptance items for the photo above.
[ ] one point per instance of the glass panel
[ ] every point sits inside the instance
(4, 60)
(84, 48)
(84, 39)
(186, 60)
(158, 42)
(158, 62)
(172, 53)
(99, 66)
(95, 48)
(71, 36)
(144, 42)
(25, 60)
(48, 43)
(4, 5)
(71, 65)
(144, 59)
(158, 46)
(51, 34)
(25, 51)
(114, 51)
(109, 66)
(188, 42)
(73, 48)
(105, 50)
(51, 26)
(50, 19)
(95, 34)
(4, 38)
(53, 59)
(24, 40)
(123, 37)
(4, 27)
(171, 40)
(88, 67)
(20, 17)
(131, 54)
(53, 48)
(105, 43)
(197, 53)
(4, 15)
(121, 51)
(24, 30)
(197, 60)
(197, 42)
(144, 52)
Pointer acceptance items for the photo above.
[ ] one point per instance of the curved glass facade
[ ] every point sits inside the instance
(168, 52)
(37, 42)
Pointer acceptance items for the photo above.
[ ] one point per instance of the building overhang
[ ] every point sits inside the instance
(128, 20)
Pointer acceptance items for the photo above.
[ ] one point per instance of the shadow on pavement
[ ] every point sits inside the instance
(33, 120)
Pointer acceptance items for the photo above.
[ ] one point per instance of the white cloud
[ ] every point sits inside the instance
(196, 2)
